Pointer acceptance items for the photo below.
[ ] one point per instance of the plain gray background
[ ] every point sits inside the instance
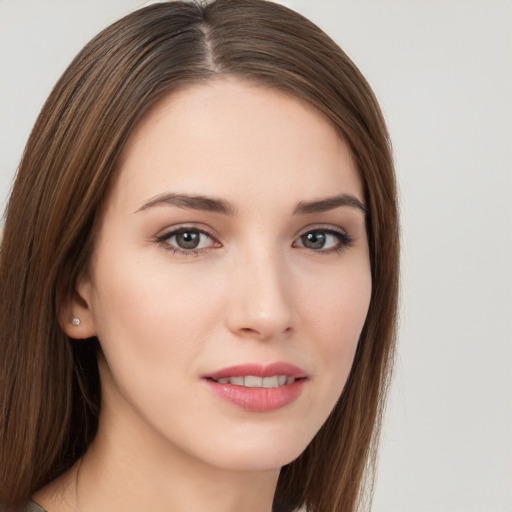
(442, 72)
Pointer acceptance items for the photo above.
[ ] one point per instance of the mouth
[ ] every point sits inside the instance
(258, 388)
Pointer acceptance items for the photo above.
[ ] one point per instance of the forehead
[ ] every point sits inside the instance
(228, 136)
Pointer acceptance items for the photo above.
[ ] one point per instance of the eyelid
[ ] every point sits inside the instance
(344, 238)
(332, 228)
(178, 228)
(171, 231)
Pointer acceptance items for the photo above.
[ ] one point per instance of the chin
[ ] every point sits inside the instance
(259, 451)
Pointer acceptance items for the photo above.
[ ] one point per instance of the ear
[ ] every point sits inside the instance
(76, 317)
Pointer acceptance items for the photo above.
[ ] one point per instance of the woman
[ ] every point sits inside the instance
(199, 272)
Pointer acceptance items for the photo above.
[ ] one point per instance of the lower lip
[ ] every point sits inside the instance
(258, 399)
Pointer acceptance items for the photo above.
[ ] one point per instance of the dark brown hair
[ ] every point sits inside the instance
(49, 385)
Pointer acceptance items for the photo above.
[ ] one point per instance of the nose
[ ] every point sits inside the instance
(261, 297)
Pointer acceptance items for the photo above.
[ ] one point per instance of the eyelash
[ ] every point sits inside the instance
(164, 240)
(344, 241)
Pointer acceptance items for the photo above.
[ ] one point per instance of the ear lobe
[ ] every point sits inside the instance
(76, 318)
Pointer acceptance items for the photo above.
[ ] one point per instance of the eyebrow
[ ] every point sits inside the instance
(210, 204)
(203, 203)
(329, 203)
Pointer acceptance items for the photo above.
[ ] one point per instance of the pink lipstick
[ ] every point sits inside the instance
(258, 388)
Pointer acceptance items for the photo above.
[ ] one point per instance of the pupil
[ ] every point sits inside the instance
(187, 240)
(313, 240)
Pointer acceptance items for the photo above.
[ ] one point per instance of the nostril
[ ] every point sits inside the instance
(264, 333)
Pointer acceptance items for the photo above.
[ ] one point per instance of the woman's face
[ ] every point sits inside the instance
(230, 278)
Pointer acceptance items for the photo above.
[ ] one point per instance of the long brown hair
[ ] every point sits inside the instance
(49, 384)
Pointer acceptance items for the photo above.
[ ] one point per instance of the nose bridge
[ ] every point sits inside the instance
(261, 305)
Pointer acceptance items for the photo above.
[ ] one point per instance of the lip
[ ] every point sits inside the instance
(258, 399)
(259, 370)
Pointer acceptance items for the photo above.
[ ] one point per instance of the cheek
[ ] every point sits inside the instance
(153, 323)
(146, 314)
(336, 313)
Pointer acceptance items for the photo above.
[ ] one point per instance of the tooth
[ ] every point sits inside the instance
(270, 382)
(251, 381)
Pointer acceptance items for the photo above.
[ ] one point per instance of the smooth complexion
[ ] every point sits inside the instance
(234, 234)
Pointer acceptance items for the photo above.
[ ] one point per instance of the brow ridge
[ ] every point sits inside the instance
(192, 202)
(329, 203)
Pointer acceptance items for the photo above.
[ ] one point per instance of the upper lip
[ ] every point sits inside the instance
(259, 370)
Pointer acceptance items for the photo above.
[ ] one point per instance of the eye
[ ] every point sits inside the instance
(324, 240)
(187, 240)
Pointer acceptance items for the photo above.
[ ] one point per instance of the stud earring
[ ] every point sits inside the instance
(76, 321)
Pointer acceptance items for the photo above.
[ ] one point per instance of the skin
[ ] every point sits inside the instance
(252, 292)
